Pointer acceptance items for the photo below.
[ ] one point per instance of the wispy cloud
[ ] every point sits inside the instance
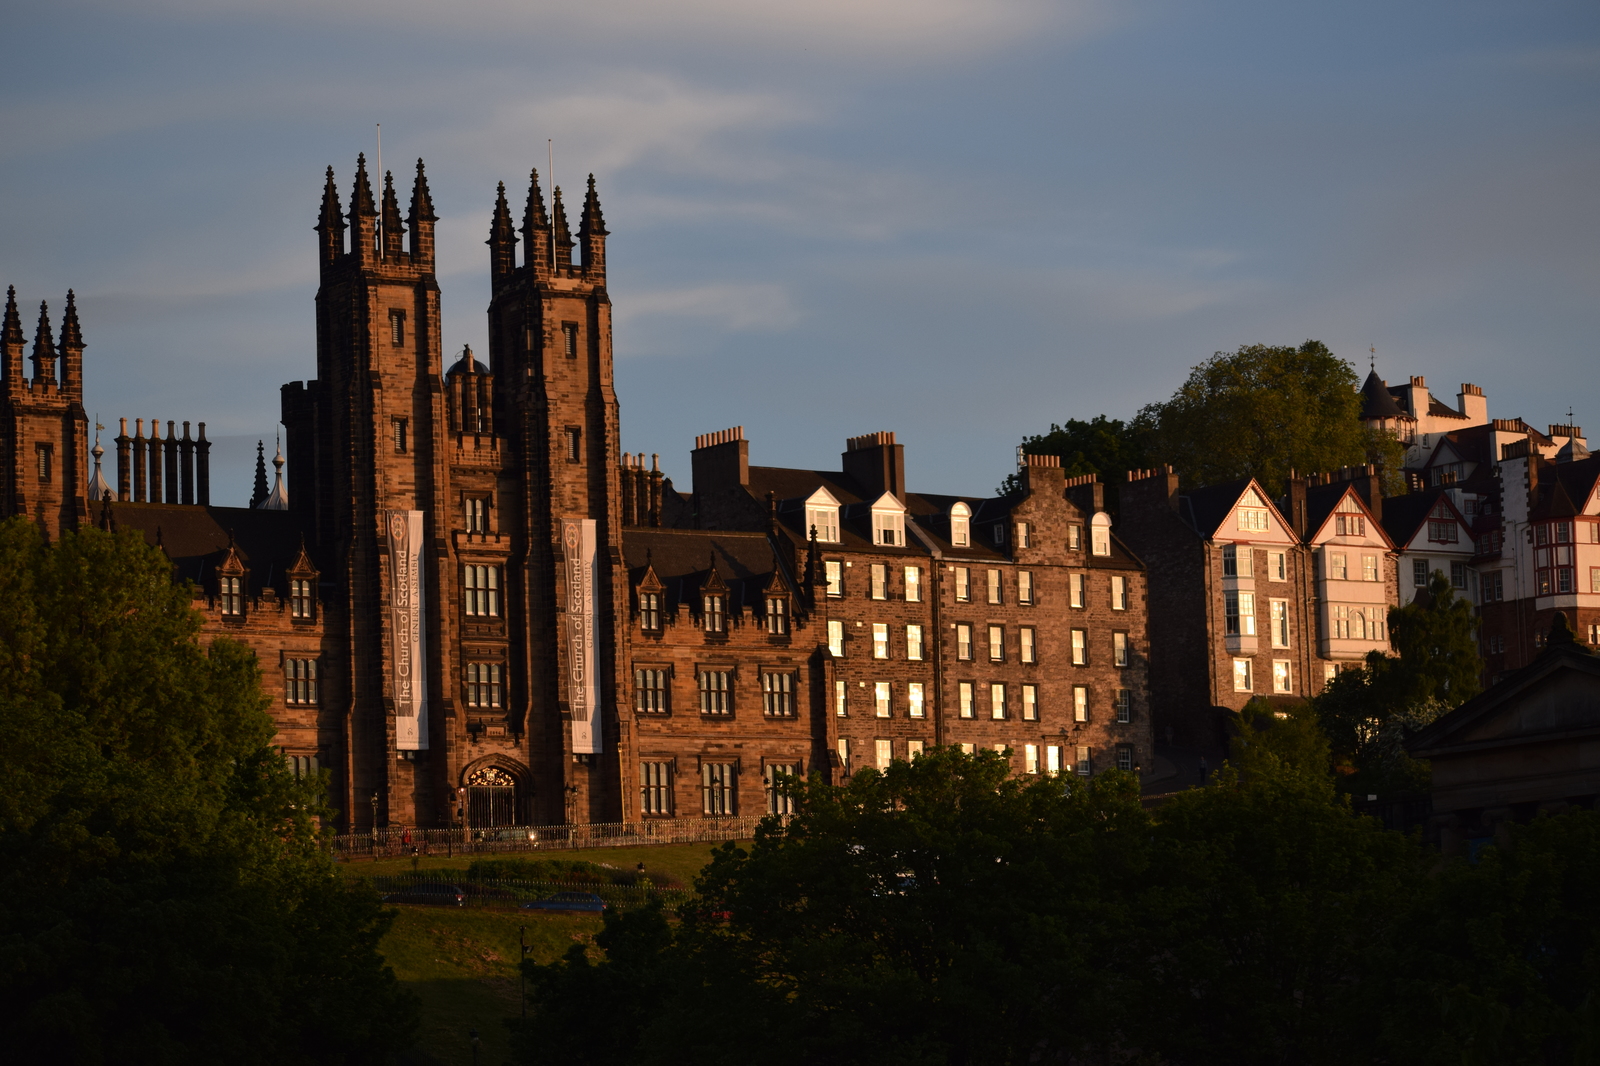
(733, 307)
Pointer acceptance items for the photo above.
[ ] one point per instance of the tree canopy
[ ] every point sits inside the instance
(163, 893)
(1103, 446)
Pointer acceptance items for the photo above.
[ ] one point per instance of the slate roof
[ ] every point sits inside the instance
(1404, 515)
(1208, 507)
(1379, 404)
(682, 560)
(196, 538)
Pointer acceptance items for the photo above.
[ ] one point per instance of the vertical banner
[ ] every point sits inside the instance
(406, 599)
(583, 610)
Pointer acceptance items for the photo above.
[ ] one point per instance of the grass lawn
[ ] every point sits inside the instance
(462, 964)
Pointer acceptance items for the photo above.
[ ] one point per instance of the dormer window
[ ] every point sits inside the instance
(302, 598)
(714, 613)
(1100, 534)
(822, 515)
(777, 616)
(650, 612)
(888, 521)
(961, 525)
(999, 534)
(231, 596)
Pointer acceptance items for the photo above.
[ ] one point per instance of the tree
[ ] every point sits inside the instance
(1260, 412)
(164, 895)
(1104, 446)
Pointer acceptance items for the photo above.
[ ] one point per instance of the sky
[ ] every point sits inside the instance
(960, 220)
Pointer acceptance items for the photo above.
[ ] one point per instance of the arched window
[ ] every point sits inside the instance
(1100, 534)
(491, 798)
(961, 525)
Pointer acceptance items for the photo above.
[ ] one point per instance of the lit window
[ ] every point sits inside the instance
(1119, 592)
(780, 794)
(1278, 566)
(840, 703)
(477, 508)
(822, 515)
(717, 788)
(836, 638)
(231, 596)
(997, 644)
(1369, 568)
(961, 525)
(1080, 647)
(655, 788)
(844, 754)
(964, 693)
(913, 584)
(716, 695)
(1052, 759)
(882, 697)
(913, 642)
(777, 695)
(880, 640)
(1030, 758)
(915, 701)
(1024, 586)
(1239, 613)
(714, 613)
(888, 521)
(994, 586)
(1100, 534)
(833, 569)
(1237, 561)
(1024, 535)
(1341, 622)
(884, 751)
(1280, 623)
(300, 681)
(963, 585)
(650, 612)
(650, 690)
(481, 591)
(1241, 675)
(1337, 569)
(963, 641)
(1123, 704)
(1280, 676)
(1252, 512)
(483, 684)
(1030, 703)
(1075, 538)
(880, 581)
(1077, 583)
(1025, 647)
(302, 598)
(913, 749)
(1080, 703)
(1351, 525)
(777, 616)
(997, 701)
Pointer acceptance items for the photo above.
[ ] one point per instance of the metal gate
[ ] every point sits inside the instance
(491, 799)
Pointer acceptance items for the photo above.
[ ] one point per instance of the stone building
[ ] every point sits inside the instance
(467, 603)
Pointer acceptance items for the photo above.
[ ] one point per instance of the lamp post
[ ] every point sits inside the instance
(374, 823)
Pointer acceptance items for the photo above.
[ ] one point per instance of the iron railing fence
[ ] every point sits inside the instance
(503, 894)
(401, 842)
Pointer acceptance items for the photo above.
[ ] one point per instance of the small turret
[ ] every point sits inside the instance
(502, 239)
(330, 224)
(99, 488)
(11, 342)
(421, 220)
(44, 350)
(71, 350)
(536, 230)
(363, 216)
(563, 236)
(592, 234)
(393, 231)
(278, 498)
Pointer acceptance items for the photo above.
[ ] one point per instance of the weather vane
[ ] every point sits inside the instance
(1373, 348)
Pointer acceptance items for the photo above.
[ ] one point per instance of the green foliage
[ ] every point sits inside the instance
(1273, 741)
(1259, 412)
(163, 896)
(552, 870)
(1104, 446)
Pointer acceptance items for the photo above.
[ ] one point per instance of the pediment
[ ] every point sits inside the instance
(888, 503)
(1559, 703)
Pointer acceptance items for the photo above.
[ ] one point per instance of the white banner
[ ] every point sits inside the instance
(583, 611)
(406, 599)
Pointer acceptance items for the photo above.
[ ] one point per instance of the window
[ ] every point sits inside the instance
(303, 765)
(836, 638)
(1458, 575)
(714, 612)
(963, 585)
(1075, 538)
(716, 695)
(1080, 647)
(963, 641)
(1369, 568)
(840, 707)
(717, 788)
(915, 700)
(1084, 769)
(964, 691)
(483, 684)
(778, 616)
(997, 533)
(1030, 758)
(1026, 647)
(961, 525)
(300, 681)
(1119, 592)
(997, 701)
(1122, 703)
(1594, 580)
(1024, 536)
(913, 576)
(650, 612)
(913, 642)
(880, 581)
(1077, 583)
(882, 699)
(884, 751)
(997, 644)
(913, 749)
(1124, 756)
(477, 508)
(777, 695)
(1278, 566)
(44, 452)
(1100, 534)
(569, 337)
(397, 329)
(481, 591)
(1119, 649)
(1052, 759)
(1239, 613)
(994, 586)
(231, 595)
(302, 598)
(655, 788)
(822, 515)
(880, 640)
(650, 690)
(1341, 622)
(1352, 525)
(1030, 703)
(780, 796)
(399, 427)
(1237, 561)
(1419, 573)
(844, 754)
(1281, 681)
(1252, 512)
(574, 444)
(1280, 623)
(1443, 532)
(1337, 570)
(888, 521)
(1376, 623)
(1080, 703)
(1024, 586)
(833, 569)
(1241, 675)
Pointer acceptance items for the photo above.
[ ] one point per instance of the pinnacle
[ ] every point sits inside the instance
(421, 201)
(361, 197)
(71, 335)
(593, 222)
(533, 215)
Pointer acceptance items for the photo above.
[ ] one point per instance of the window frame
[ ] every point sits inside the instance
(716, 697)
(778, 694)
(645, 693)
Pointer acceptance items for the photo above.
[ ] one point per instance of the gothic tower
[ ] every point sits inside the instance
(550, 352)
(369, 474)
(43, 428)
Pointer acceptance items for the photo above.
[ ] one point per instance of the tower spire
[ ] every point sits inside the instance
(502, 238)
(536, 228)
(592, 233)
(363, 215)
(99, 488)
(421, 219)
(11, 342)
(71, 349)
(330, 224)
(44, 349)
(278, 500)
(259, 496)
(563, 236)
(392, 230)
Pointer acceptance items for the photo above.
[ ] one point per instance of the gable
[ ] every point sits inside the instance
(1562, 702)
(1350, 522)
(1252, 518)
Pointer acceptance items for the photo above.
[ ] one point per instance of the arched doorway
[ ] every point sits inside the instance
(492, 798)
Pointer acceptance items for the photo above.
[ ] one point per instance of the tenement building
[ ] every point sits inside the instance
(468, 603)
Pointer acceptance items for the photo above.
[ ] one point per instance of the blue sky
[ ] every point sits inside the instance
(957, 220)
